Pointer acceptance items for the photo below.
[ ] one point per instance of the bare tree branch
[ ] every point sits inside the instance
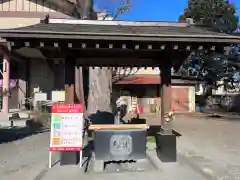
(100, 79)
(113, 8)
(121, 73)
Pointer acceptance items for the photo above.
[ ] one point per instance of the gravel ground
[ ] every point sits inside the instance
(208, 145)
(24, 158)
(28, 159)
(211, 144)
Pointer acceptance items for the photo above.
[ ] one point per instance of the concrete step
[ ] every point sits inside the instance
(17, 123)
(22, 113)
(18, 116)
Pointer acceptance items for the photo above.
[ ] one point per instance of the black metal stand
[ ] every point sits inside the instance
(166, 146)
(69, 158)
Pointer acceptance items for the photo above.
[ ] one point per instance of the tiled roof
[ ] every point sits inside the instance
(121, 28)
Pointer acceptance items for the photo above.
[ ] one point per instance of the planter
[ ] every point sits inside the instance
(166, 147)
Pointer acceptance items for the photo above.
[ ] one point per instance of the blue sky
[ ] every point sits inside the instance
(158, 10)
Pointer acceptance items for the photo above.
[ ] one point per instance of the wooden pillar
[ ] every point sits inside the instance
(79, 90)
(6, 80)
(165, 139)
(67, 158)
(166, 98)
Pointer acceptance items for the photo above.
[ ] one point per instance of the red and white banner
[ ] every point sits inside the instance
(66, 127)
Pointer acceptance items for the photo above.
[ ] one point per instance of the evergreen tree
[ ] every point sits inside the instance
(220, 16)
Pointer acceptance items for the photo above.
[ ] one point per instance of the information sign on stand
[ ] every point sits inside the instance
(66, 129)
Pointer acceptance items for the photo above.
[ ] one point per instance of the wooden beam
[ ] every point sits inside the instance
(118, 126)
(122, 62)
(92, 44)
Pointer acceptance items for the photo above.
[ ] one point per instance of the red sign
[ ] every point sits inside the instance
(52, 149)
(67, 108)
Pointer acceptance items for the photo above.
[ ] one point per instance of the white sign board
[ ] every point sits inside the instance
(66, 128)
(40, 97)
(58, 96)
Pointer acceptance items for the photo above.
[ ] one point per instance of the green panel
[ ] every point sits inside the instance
(56, 118)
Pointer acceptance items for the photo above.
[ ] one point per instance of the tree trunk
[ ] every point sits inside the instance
(207, 92)
(208, 88)
(100, 90)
